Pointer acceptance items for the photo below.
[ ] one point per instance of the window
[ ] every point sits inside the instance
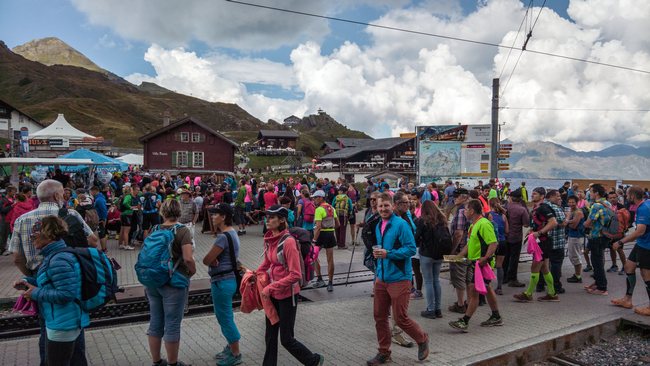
(196, 137)
(197, 160)
(182, 158)
(185, 137)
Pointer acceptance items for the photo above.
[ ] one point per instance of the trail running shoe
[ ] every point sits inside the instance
(574, 279)
(379, 359)
(621, 272)
(460, 325)
(492, 322)
(423, 350)
(455, 308)
(589, 268)
(223, 354)
(399, 339)
(230, 360)
(162, 362)
(613, 268)
(523, 297)
(549, 298)
(330, 287)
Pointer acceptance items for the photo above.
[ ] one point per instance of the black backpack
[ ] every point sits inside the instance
(368, 234)
(76, 237)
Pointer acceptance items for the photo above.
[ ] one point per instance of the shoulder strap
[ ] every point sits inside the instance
(233, 258)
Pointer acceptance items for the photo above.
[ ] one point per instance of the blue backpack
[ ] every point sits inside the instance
(98, 277)
(499, 225)
(155, 267)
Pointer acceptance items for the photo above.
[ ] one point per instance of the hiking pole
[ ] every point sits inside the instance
(356, 234)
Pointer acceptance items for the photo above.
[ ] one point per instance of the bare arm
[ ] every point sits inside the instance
(93, 241)
(188, 258)
(21, 263)
(212, 255)
(638, 232)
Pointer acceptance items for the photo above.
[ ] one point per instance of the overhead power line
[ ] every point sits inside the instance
(459, 39)
(577, 109)
(516, 37)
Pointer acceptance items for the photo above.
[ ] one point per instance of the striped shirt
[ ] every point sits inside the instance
(21, 241)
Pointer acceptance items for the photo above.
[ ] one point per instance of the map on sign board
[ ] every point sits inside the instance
(453, 151)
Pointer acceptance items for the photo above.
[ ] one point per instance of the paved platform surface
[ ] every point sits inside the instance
(339, 325)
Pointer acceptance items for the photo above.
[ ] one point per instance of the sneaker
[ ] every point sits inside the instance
(622, 302)
(181, 363)
(642, 311)
(416, 295)
(438, 313)
(492, 322)
(330, 287)
(162, 362)
(621, 272)
(560, 290)
(589, 268)
(399, 339)
(549, 298)
(318, 284)
(423, 350)
(429, 314)
(516, 283)
(230, 360)
(460, 325)
(223, 354)
(379, 359)
(128, 247)
(498, 291)
(613, 268)
(574, 279)
(457, 308)
(123, 247)
(344, 247)
(523, 297)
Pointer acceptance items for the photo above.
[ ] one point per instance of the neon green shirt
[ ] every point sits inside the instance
(320, 214)
(485, 228)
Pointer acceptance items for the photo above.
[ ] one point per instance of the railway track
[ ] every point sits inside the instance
(137, 310)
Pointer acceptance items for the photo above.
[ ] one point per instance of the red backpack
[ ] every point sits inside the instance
(308, 211)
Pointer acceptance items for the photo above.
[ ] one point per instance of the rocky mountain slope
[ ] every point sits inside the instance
(53, 51)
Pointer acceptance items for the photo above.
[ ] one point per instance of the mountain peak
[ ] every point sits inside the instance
(53, 51)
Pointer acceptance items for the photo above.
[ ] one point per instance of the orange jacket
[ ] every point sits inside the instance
(251, 298)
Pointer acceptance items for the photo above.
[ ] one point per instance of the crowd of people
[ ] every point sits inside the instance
(408, 231)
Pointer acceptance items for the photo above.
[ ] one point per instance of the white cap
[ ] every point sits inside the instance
(319, 193)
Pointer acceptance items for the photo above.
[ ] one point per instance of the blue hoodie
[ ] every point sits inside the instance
(399, 242)
(100, 206)
(59, 289)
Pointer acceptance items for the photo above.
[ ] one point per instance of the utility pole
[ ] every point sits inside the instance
(494, 162)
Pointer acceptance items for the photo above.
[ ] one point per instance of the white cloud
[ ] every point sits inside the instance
(400, 80)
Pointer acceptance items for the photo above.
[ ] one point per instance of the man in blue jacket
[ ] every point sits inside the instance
(394, 249)
(102, 213)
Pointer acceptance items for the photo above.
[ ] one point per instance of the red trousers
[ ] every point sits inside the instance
(394, 297)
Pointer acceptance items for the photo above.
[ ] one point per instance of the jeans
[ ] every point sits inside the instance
(287, 313)
(514, 251)
(556, 258)
(431, 275)
(394, 297)
(78, 355)
(222, 293)
(166, 305)
(59, 353)
(597, 247)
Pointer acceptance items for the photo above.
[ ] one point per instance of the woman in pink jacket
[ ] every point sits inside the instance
(283, 290)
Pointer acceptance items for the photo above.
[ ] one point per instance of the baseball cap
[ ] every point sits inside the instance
(319, 193)
(459, 191)
(222, 208)
(277, 210)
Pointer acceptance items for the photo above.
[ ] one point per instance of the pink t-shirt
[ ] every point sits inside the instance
(249, 194)
(383, 225)
(418, 212)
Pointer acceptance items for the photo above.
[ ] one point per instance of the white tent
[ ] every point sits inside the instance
(60, 129)
(132, 159)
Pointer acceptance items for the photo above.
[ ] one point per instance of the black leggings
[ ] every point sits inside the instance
(417, 273)
(287, 313)
(59, 353)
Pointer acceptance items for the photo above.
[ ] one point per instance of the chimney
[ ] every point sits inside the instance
(166, 118)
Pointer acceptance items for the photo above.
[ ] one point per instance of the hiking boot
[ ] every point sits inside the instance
(589, 268)
(613, 268)
(230, 360)
(399, 339)
(379, 359)
(223, 354)
(429, 314)
(523, 297)
(460, 325)
(457, 308)
(642, 311)
(516, 283)
(574, 279)
(162, 362)
(622, 302)
(492, 321)
(416, 295)
(330, 286)
(423, 350)
(549, 298)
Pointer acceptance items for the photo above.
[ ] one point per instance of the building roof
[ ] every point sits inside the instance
(367, 146)
(60, 128)
(330, 145)
(181, 122)
(277, 133)
(352, 142)
(21, 112)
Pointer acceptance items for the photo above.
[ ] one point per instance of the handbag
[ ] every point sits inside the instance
(25, 306)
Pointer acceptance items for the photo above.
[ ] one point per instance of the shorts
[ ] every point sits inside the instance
(150, 220)
(326, 240)
(352, 219)
(458, 272)
(469, 277)
(101, 229)
(573, 250)
(248, 206)
(502, 248)
(114, 226)
(546, 246)
(240, 215)
(640, 256)
(125, 220)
